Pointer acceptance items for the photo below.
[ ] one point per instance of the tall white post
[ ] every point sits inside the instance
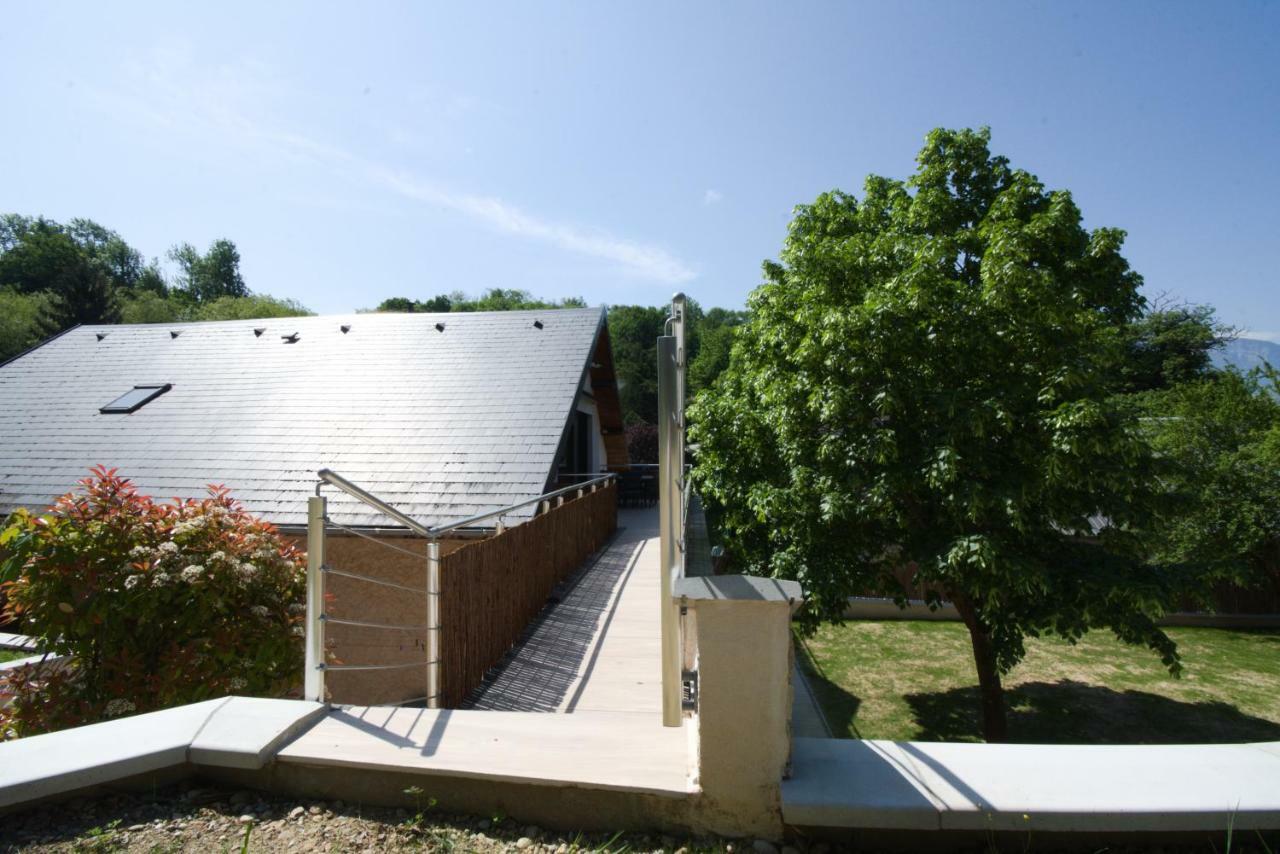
(313, 679)
(433, 625)
(670, 498)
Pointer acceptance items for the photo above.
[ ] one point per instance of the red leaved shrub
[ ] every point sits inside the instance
(155, 604)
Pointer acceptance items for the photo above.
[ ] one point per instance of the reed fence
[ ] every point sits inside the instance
(492, 588)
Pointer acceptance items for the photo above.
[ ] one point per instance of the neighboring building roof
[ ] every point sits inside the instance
(440, 424)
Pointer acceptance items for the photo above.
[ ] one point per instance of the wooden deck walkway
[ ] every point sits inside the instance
(598, 648)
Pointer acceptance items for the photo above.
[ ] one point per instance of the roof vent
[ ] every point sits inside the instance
(258, 330)
(439, 327)
(174, 333)
(537, 324)
(101, 335)
(346, 327)
(291, 338)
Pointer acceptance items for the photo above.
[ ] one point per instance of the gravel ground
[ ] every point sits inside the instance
(196, 818)
(202, 819)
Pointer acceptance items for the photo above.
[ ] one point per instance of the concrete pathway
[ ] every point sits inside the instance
(598, 648)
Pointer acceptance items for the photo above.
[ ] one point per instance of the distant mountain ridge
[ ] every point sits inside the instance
(1247, 354)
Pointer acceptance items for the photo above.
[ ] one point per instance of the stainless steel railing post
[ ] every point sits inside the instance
(433, 624)
(670, 503)
(313, 678)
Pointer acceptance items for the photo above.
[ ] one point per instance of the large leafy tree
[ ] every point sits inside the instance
(82, 293)
(1172, 343)
(212, 275)
(633, 333)
(927, 381)
(1221, 435)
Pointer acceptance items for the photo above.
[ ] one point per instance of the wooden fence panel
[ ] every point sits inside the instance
(492, 588)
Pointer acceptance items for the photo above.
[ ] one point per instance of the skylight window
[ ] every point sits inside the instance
(136, 398)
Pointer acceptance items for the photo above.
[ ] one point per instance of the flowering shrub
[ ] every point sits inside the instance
(156, 604)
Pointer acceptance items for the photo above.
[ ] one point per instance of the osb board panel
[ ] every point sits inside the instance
(353, 599)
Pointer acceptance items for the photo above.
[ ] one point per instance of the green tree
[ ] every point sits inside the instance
(150, 307)
(1221, 435)
(20, 321)
(214, 274)
(633, 334)
(715, 331)
(1172, 343)
(39, 255)
(82, 293)
(928, 380)
(247, 307)
(494, 299)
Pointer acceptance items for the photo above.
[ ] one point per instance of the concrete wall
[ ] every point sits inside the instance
(743, 721)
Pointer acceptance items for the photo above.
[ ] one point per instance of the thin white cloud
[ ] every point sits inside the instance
(711, 197)
(170, 94)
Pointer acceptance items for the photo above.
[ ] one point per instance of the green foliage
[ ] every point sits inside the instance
(250, 306)
(210, 276)
(1221, 436)
(1171, 344)
(177, 307)
(20, 321)
(150, 307)
(494, 299)
(81, 293)
(157, 604)
(633, 334)
(927, 380)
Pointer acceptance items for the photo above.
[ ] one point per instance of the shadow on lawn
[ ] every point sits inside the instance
(839, 707)
(1070, 712)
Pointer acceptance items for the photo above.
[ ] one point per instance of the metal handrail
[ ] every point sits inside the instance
(318, 520)
(334, 479)
(444, 529)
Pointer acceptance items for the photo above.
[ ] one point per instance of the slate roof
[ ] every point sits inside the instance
(442, 425)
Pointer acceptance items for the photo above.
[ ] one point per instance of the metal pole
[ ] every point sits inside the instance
(313, 678)
(669, 465)
(433, 624)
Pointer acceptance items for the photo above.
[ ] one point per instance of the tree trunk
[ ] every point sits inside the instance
(995, 726)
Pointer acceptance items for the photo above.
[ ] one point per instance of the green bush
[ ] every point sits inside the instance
(155, 604)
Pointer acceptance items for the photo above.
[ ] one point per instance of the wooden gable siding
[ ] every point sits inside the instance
(604, 386)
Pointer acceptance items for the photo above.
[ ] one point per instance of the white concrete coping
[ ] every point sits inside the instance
(233, 732)
(615, 751)
(14, 664)
(12, 641)
(738, 588)
(890, 785)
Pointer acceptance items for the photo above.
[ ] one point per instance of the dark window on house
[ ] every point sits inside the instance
(131, 400)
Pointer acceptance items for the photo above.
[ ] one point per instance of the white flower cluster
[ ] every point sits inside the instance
(192, 573)
(119, 706)
(261, 611)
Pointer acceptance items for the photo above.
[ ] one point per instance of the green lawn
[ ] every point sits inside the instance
(11, 654)
(916, 680)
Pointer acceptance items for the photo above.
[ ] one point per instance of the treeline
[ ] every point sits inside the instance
(56, 275)
(633, 332)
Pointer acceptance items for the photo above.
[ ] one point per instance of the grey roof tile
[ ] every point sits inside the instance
(450, 423)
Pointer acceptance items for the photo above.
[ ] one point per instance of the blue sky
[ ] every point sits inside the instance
(623, 152)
